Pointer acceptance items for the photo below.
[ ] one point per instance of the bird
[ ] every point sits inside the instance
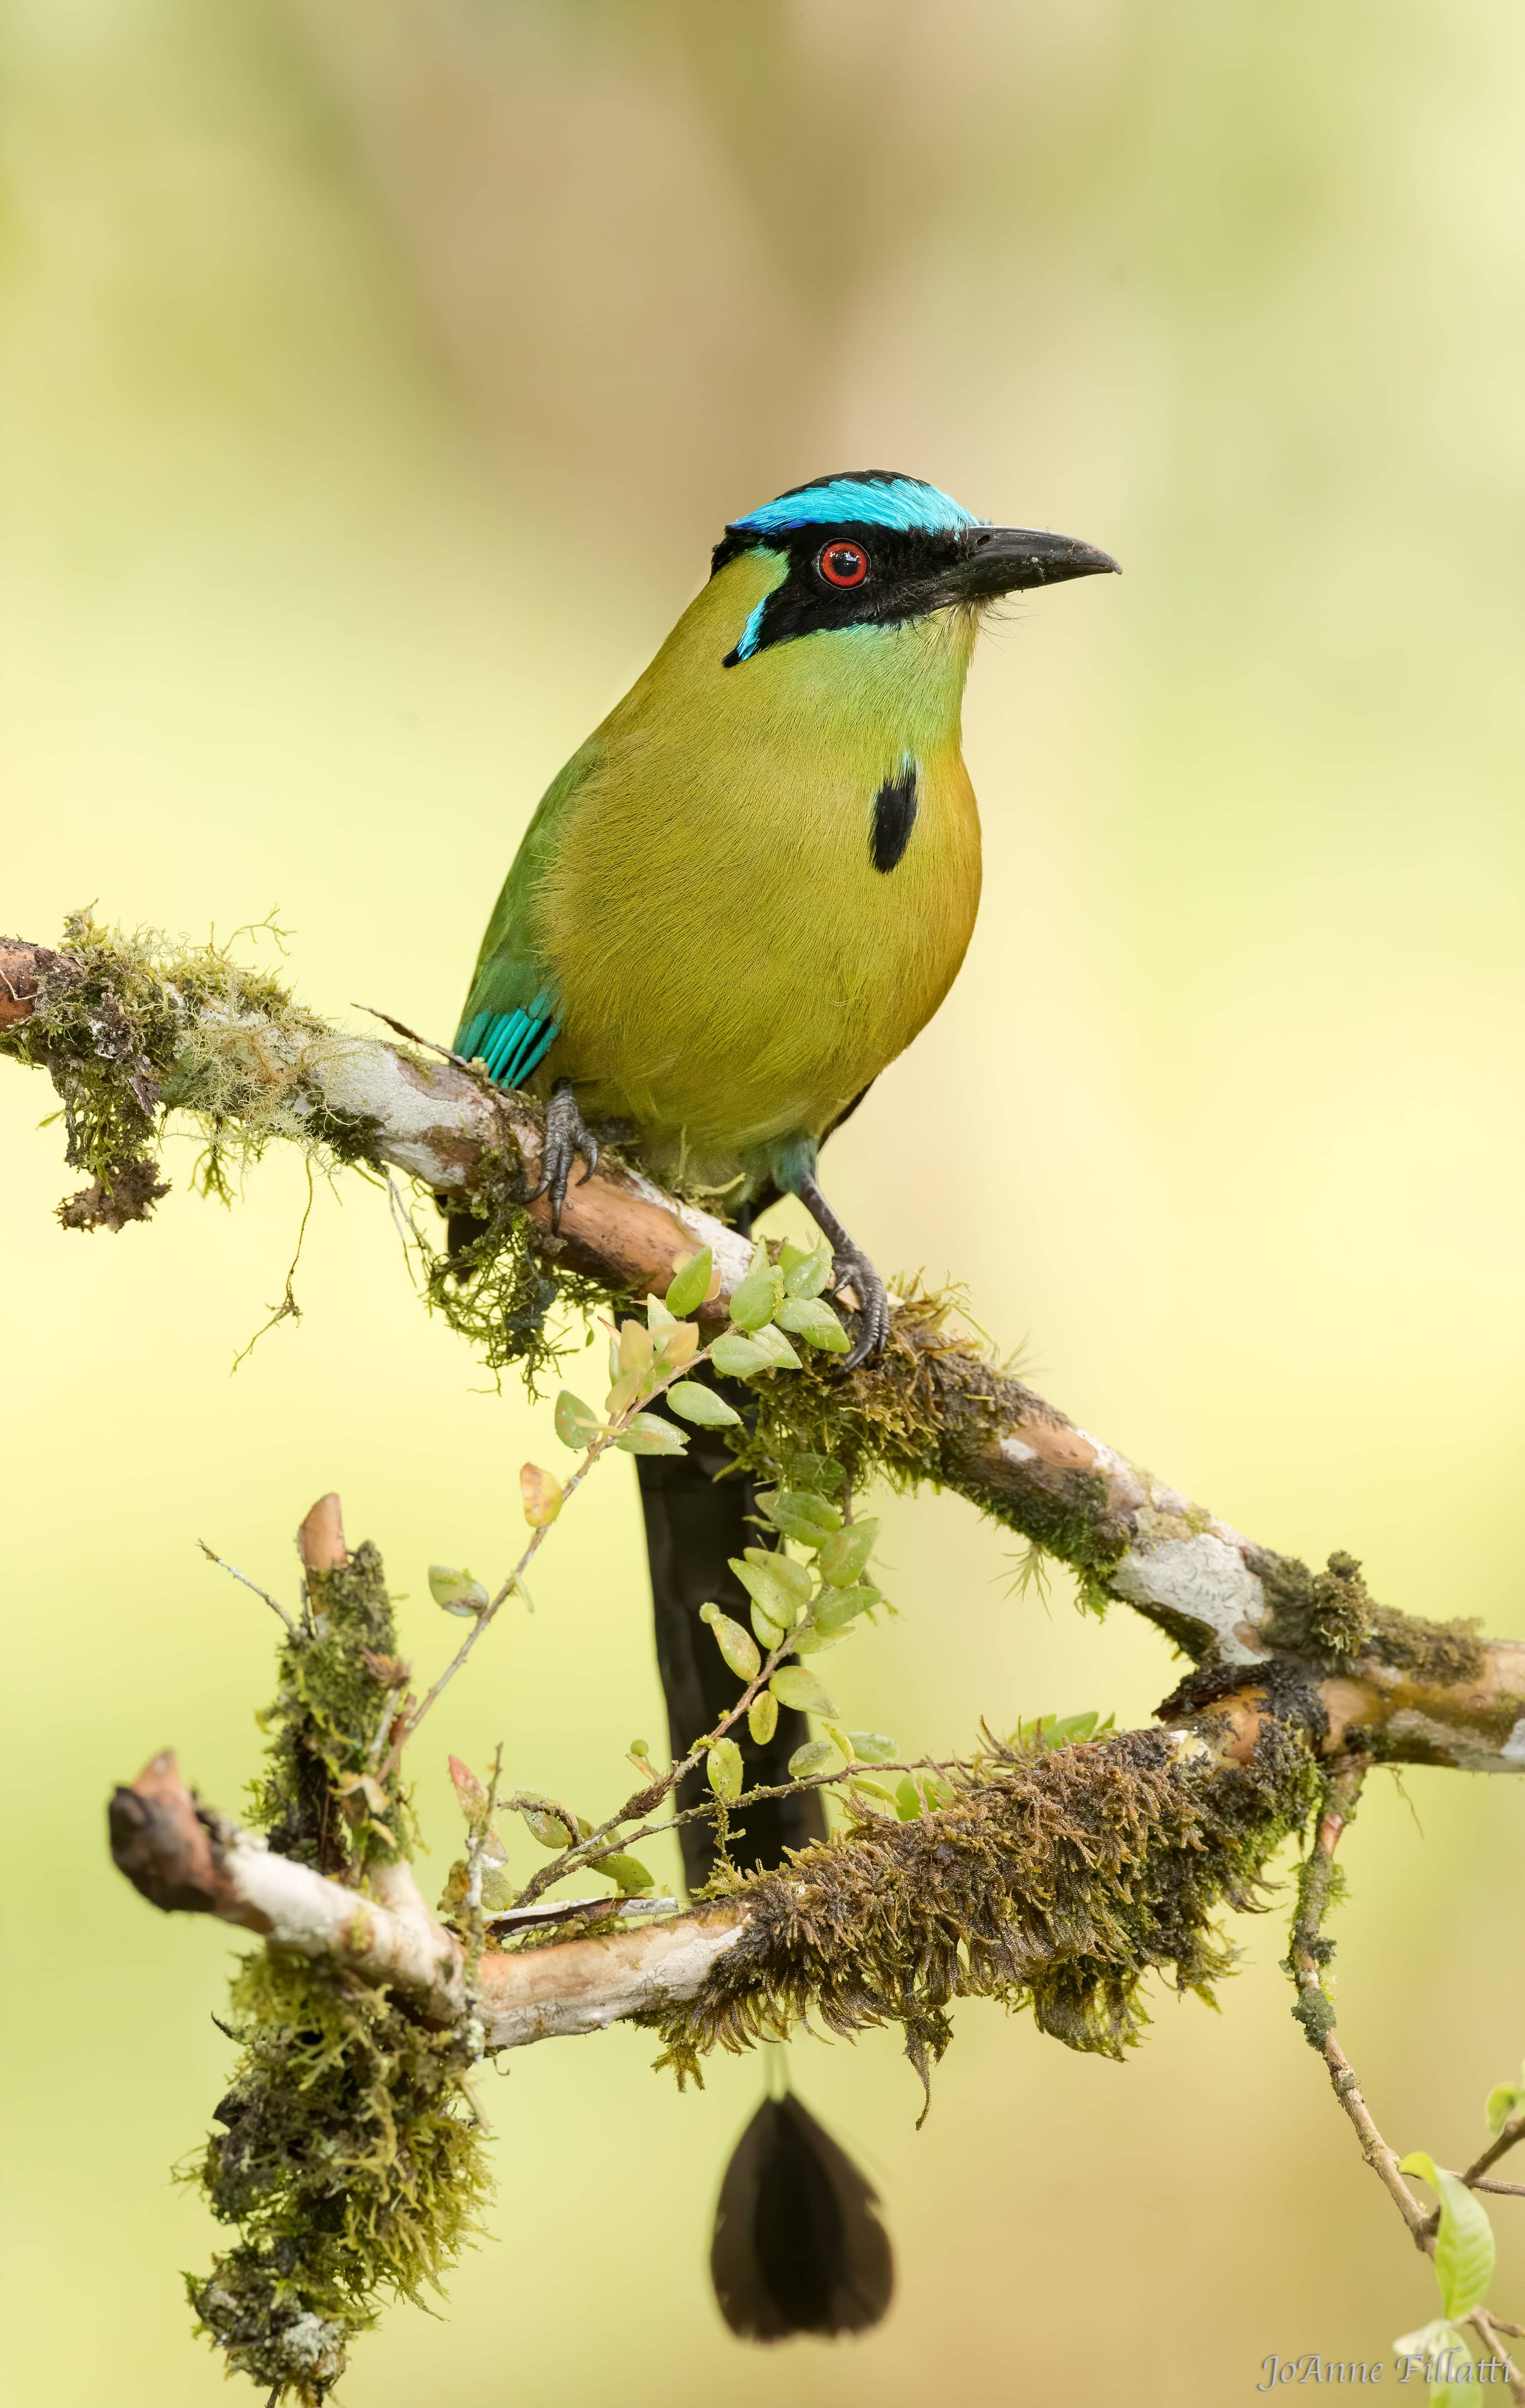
(757, 880)
(738, 902)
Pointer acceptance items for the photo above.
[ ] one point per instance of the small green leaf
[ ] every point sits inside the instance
(1070, 1729)
(837, 1607)
(677, 1343)
(839, 1741)
(796, 1577)
(650, 1434)
(808, 1274)
(799, 1514)
(691, 1285)
(737, 1645)
(576, 1423)
(806, 1317)
(794, 1687)
(628, 1872)
(657, 1315)
(753, 1302)
(863, 1788)
(542, 1494)
(871, 1747)
(768, 1632)
(549, 1830)
(739, 1357)
(762, 1716)
(764, 1584)
(846, 1553)
(636, 1349)
(808, 1641)
(781, 1355)
(723, 1766)
(814, 1756)
(701, 1405)
(921, 1793)
(1464, 2243)
(1502, 2103)
(623, 1394)
(457, 1592)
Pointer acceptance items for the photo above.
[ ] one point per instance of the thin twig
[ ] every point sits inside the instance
(273, 1603)
(601, 1445)
(587, 1852)
(1490, 2327)
(1306, 1958)
(1511, 2132)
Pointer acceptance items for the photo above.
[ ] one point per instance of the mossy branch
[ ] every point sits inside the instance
(131, 1029)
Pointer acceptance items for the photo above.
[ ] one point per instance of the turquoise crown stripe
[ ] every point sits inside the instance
(907, 504)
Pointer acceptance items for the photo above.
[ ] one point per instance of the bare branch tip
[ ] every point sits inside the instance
(321, 1538)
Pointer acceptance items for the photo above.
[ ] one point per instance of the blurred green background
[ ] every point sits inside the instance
(376, 374)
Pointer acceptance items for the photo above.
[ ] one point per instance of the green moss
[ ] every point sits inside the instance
(349, 2158)
(498, 1282)
(1057, 1884)
(917, 1415)
(1329, 1618)
(338, 1679)
(118, 1026)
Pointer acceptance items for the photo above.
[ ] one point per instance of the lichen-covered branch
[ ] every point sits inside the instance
(1056, 1880)
(186, 1859)
(128, 1031)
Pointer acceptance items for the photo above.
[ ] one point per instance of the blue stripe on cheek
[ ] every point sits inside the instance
(751, 632)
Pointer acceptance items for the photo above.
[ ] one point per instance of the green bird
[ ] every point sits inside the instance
(740, 900)
(755, 883)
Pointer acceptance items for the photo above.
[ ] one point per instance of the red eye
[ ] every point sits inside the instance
(843, 564)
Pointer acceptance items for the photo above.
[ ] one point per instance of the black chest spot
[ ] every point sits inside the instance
(894, 817)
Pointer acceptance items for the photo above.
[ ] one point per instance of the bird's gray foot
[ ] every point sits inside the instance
(852, 1268)
(567, 1135)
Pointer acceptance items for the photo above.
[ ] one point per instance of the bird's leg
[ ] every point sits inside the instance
(566, 1137)
(851, 1266)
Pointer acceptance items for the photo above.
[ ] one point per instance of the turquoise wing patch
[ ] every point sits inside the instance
(512, 1044)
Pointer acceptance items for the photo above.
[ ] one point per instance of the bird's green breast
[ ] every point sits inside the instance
(731, 966)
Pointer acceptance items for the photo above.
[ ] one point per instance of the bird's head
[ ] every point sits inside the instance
(870, 548)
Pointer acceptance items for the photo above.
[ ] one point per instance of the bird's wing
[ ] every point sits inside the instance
(511, 1016)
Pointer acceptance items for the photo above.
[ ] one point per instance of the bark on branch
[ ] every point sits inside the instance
(1397, 1688)
(187, 1860)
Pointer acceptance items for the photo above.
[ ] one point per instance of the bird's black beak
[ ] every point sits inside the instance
(1003, 560)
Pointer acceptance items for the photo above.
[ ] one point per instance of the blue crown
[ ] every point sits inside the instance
(873, 498)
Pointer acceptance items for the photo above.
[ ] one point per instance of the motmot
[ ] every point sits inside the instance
(755, 883)
(741, 899)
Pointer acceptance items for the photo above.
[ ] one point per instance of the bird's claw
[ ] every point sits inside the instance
(567, 1135)
(851, 1268)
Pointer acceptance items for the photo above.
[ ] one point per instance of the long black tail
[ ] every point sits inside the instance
(698, 1507)
(799, 2244)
